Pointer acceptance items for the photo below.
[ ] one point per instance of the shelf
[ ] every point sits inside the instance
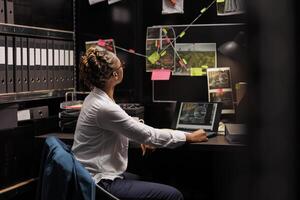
(31, 31)
(33, 95)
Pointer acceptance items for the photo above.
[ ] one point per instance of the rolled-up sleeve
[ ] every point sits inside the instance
(116, 120)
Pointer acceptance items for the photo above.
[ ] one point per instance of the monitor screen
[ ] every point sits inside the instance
(196, 115)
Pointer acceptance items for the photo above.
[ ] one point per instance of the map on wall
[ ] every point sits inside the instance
(193, 56)
(160, 48)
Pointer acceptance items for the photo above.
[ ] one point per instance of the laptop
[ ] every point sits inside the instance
(191, 116)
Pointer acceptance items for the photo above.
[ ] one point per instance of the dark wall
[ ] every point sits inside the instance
(127, 22)
(55, 14)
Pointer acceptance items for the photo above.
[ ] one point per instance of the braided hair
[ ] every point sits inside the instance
(97, 66)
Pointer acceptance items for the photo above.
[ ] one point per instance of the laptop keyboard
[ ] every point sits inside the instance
(208, 133)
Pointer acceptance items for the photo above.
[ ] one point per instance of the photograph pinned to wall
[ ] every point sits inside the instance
(191, 56)
(160, 53)
(219, 78)
(153, 33)
(108, 44)
(230, 7)
(172, 7)
(220, 88)
(225, 96)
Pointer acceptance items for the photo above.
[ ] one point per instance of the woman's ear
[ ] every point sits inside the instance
(115, 74)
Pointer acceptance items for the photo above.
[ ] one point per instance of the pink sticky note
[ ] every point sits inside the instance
(160, 74)
(101, 43)
(219, 90)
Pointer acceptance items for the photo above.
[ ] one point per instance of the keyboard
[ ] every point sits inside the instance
(208, 133)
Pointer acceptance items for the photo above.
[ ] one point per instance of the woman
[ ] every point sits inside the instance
(103, 130)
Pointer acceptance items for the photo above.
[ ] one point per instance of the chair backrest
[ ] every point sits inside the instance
(61, 175)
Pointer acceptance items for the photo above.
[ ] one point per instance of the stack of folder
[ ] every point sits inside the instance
(235, 133)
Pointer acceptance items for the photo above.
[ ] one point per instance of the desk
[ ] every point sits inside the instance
(217, 167)
(218, 143)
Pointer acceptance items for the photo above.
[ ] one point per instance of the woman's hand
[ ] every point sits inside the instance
(196, 136)
(147, 148)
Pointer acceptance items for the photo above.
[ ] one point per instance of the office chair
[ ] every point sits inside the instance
(62, 177)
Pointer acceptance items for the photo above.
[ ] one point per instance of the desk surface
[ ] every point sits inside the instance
(218, 143)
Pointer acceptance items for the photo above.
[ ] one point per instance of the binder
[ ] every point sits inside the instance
(37, 64)
(2, 65)
(18, 65)
(25, 75)
(31, 71)
(70, 71)
(10, 64)
(10, 11)
(50, 67)
(44, 79)
(62, 74)
(56, 65)
(2, 11)
(66, 65)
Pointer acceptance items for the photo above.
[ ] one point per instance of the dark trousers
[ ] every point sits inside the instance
(130, 187)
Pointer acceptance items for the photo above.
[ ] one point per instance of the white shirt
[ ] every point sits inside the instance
(102, 132)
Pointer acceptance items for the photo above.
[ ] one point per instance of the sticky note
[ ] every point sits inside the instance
(163, 53)
(204, 66)
(154, 57)
(182, 34)
(220, 1)
(165, 31)
(197, 71)
(203, 10)
(160, 74)
(220, 90)
(101, 43)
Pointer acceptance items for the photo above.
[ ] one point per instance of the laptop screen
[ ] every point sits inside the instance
(196, 115)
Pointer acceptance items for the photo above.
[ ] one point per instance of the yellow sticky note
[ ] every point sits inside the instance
(197, 71)
(182, 34)
(203, 10)
(154, 57)
(163, 53)
(204, 66)
(165, 31)
(220, 1)
(184, 61)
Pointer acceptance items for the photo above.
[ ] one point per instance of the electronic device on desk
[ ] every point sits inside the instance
(191, 116)
(236, 133)
(133, 109)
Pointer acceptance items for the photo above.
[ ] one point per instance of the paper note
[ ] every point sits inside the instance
(23, 115)
(204, 66)
(163, 53)
(197, 71)
(203, 10)
(154, 57)
(165, 31)
(182, 34)
(101, 43)
(160, 74)
(220, 1)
